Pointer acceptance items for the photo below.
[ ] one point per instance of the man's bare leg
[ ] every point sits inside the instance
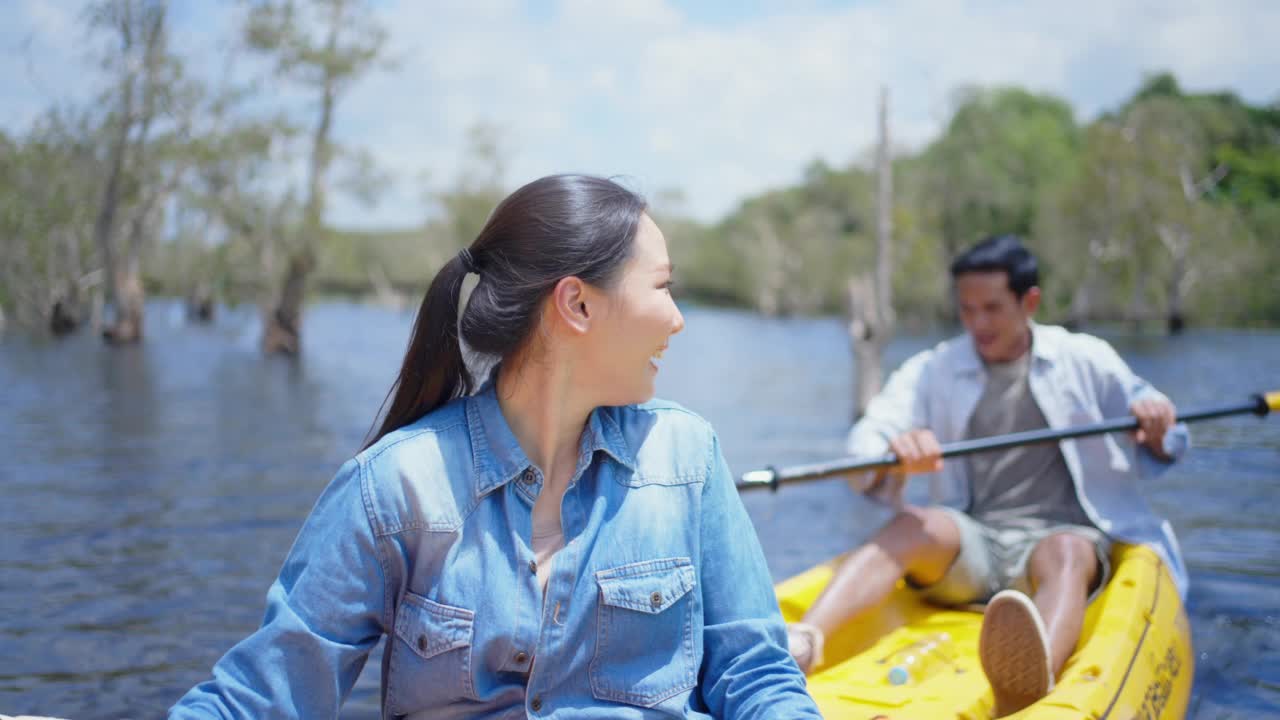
(920, 541)
(1024, 641)
(1062, 568)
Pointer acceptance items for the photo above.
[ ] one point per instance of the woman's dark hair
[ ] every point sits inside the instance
(1001, 253)
(552, 228)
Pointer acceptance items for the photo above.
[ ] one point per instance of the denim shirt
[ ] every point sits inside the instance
(1076, 379)
(658, 605)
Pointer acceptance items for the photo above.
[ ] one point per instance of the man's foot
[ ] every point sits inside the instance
(805, 643)
(1014, 649)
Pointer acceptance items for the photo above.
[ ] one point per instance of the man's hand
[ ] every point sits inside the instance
(918, 451)
(1155, 417)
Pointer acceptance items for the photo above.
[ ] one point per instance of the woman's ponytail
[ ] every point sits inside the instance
(433, 372)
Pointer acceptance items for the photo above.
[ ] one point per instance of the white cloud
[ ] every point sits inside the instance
(731, 108)
(721, 107)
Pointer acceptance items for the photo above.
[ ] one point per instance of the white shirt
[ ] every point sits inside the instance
(1076, 379)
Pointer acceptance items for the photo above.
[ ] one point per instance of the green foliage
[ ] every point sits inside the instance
(408, 259)
(47, 183)
(1167, 204)
(325, 46)
(787, 251)
(303, 38)
(1158, 208)
(1004, 150)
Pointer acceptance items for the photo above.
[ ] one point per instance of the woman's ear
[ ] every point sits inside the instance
(570, 303)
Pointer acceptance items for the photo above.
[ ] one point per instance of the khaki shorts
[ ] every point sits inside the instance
(991, 560)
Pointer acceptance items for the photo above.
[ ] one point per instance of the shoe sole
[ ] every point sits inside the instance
(1014, 651)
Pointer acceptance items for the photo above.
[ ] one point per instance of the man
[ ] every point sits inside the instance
(1037, 519)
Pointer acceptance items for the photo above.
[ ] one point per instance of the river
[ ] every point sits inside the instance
(151, 492)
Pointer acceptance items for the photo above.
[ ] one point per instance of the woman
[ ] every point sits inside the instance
(545, 546)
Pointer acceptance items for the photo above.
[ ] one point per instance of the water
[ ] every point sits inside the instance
(150, 493)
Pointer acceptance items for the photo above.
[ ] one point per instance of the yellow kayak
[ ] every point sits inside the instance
(1133, 661)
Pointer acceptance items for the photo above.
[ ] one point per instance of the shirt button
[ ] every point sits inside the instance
(655, 599)
(533, 567)
(521, 657)
(536, 703)
(530, 477)
(422, 643)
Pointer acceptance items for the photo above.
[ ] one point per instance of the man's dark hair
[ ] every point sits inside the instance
(1001, 253)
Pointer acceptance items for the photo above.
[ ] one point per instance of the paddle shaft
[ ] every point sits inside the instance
(773, 477)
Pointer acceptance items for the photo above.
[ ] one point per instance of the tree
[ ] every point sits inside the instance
(143, 68)
(1139, 229)
(1002, 151)
(239, 212)
(47, 180)
(871, 317)
(325, 45)
(1165, 209)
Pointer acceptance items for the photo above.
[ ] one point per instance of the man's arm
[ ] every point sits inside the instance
(896, 409)
(1123, 392)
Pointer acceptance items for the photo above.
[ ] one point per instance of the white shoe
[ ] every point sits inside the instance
(1014, 649)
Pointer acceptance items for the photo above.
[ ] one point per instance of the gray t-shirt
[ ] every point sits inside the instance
(1023, 487)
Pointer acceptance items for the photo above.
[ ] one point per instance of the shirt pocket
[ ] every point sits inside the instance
(430, 655)
(644, 632)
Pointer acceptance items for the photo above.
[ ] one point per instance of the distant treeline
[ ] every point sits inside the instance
(1166, 207)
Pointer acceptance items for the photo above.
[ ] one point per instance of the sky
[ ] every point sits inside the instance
(719, 100)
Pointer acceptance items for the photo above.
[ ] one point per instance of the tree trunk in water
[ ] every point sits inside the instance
(124, 271)
(124, 274)
(1178, 242)
(868, 348)
(63, 309)
(104, 225)
(128, 300)
(63, 320)
(131, 301)
(283, 323)
(73, 275)
(871, 316)
(200, 305)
